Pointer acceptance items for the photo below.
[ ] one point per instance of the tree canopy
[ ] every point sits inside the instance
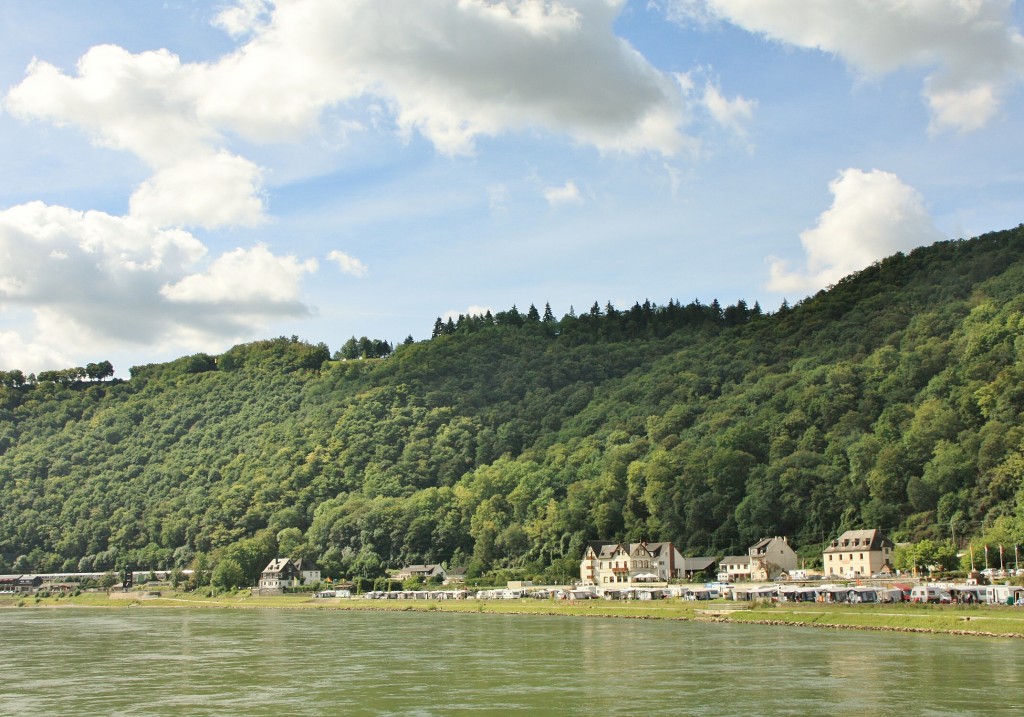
(506, 441)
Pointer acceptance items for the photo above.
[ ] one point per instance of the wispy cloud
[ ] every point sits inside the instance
(348, 264)
(568, 193)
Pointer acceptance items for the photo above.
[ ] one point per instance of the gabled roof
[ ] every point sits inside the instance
(603, 550)
(429, 570)
(762, 545)
(696, 564)
(735, 560)
(656, 549)
(859, 540)
(278, 565)
(606, 551)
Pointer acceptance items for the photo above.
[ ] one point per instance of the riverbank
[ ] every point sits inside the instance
(971, 620)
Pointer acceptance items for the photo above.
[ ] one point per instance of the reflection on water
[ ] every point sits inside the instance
(267, 662)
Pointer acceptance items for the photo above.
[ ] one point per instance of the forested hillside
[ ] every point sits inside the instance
(892, 400)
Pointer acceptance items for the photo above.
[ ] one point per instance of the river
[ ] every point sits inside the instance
(321, 662)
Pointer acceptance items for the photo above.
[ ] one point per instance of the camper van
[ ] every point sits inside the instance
(1003, 594)
(929, 593)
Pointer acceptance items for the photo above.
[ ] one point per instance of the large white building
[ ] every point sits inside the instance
(282, 573)
(621, 564)
(857, 553)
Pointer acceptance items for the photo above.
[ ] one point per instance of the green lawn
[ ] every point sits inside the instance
(977, 619)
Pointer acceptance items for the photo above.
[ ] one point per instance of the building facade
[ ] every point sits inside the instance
(424, 572)
(770, 557)
(734, 568)
(858, 553)
(279, 574)
(620, 564)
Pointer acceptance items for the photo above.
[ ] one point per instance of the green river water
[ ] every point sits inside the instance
(278, 662)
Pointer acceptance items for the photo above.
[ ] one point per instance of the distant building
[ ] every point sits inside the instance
(454, 576)
(309, 573)
(616, 564)
(282, 573)
(424, 572)
(734, 568)
(22, 584)
(858, 553)
(770, 557)
(692, 567)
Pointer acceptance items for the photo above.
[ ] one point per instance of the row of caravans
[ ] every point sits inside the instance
(969, 594)
(941, 593)
(848, 594)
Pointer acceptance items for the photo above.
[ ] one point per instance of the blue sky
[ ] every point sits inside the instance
(183, 176)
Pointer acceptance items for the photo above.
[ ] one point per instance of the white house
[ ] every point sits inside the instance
(424, 572)
(617, 564)
(282, 573)
(857, 553)
(279, 574)
(734, 568)
(309, 573)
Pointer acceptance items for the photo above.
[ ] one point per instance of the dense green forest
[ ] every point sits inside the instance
(893, 400)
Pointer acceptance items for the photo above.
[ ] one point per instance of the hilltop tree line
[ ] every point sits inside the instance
(645, 320)
(66, 377)
(891, 400)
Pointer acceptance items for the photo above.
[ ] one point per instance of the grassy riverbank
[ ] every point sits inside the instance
(953, 619)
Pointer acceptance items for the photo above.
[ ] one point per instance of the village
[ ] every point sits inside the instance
(857, 569)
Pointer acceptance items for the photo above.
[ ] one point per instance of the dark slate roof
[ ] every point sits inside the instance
(735, 560)
(692, 564)
(859, 540)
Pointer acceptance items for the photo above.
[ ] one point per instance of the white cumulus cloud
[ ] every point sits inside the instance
(146, 104)
(244, 276)
(452, 70)
(972, 47)
(17, 353)
(873, 215)
(206, 189)
(91, 280)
